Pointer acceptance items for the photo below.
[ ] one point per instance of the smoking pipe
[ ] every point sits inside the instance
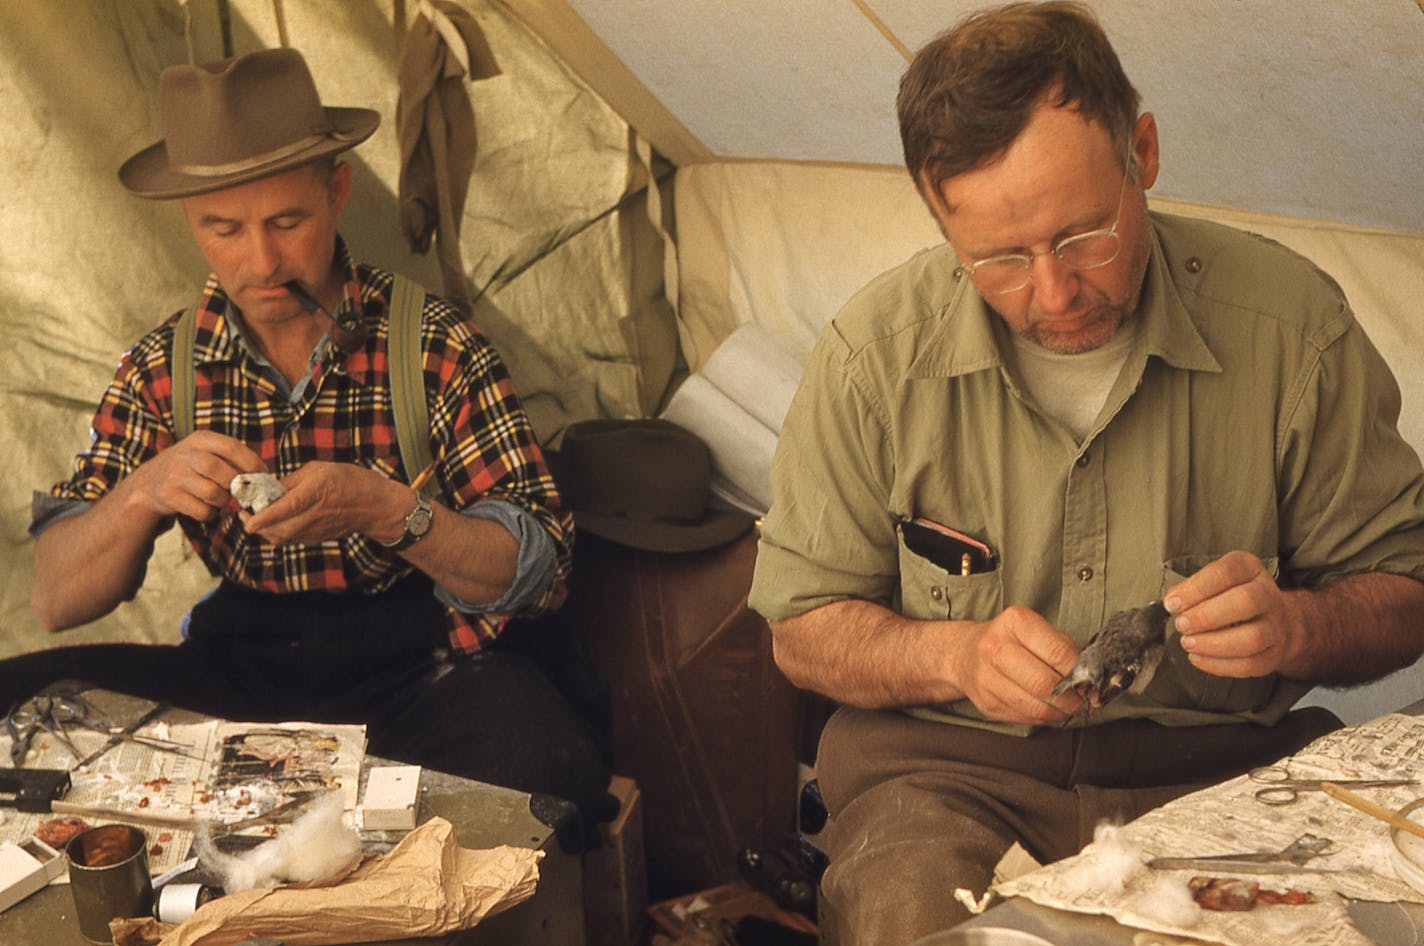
(347, 335)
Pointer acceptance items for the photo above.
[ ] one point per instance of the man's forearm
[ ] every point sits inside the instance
(473, 559)
(864, 654)
(1356, 630)
(86, 564)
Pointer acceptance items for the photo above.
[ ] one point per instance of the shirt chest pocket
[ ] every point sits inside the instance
(928, 592)
(1178, 683)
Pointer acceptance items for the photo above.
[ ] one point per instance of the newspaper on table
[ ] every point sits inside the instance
(237, 778)
(1228, 818)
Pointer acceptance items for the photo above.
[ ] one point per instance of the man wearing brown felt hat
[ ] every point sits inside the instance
(359, 594)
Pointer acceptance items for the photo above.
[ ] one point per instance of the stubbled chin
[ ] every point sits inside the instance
(1084, 338)
(1074, 343)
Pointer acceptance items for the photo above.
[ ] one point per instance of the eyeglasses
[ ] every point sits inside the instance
(1012, 271)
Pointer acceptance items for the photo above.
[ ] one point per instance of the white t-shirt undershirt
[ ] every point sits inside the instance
(1073, 388)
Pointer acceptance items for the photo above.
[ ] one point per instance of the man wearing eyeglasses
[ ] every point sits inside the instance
(1073, 407)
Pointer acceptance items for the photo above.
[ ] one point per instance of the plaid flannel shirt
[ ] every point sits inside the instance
(480, 436)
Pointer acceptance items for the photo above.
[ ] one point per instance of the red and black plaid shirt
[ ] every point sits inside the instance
(480, 436)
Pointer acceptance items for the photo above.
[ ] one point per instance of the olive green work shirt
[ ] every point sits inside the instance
(1252, 413)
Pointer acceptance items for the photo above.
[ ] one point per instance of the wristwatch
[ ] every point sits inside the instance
(417, 523)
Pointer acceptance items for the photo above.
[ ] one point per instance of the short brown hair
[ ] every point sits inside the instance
(970, 91)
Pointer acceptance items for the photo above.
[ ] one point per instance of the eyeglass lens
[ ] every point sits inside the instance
(1086, 251)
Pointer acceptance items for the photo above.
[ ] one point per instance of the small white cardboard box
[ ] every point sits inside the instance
(25, 868)
(389, 804)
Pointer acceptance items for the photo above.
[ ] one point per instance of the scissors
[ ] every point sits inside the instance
(1282, 789)
(44, 713)
(58, 713)
(1289, 859)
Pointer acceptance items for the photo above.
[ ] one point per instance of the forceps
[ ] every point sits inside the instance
(1282, 789)
(44, 713)
(58, 714)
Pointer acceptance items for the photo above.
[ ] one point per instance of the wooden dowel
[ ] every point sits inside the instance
(1370, 808)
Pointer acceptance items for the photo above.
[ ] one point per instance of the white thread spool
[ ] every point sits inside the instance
(177, 902)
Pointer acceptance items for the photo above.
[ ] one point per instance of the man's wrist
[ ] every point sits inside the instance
(415, 525)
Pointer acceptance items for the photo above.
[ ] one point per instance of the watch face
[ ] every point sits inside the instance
(418, 522)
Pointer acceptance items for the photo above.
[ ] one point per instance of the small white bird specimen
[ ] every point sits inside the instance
(256, 491)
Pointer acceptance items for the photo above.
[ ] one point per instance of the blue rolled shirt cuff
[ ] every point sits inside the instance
(533, 570)
(46, 510)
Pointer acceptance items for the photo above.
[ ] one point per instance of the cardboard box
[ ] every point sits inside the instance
(392, 792)
(26, 868)
(615, 885)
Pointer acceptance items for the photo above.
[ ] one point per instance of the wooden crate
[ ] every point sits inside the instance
(615, 883)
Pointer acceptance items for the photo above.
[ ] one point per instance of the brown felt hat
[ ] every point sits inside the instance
(645, 483)
(239, 119)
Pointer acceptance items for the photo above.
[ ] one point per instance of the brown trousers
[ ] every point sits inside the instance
(919, 808)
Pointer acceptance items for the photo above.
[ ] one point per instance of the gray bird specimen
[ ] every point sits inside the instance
(1121, 656)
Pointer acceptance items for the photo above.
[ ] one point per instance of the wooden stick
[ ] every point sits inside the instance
(1370, 808)
(126, 812)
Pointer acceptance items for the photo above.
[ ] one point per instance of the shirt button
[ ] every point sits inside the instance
(1083, 460)
(937, 593)
(1085, 573)
(1193, 264)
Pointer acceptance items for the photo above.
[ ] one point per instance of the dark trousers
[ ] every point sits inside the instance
(921, 808)
(379, 660)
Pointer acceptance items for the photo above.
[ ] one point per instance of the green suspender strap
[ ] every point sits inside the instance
(406, 367)
(180, 370)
